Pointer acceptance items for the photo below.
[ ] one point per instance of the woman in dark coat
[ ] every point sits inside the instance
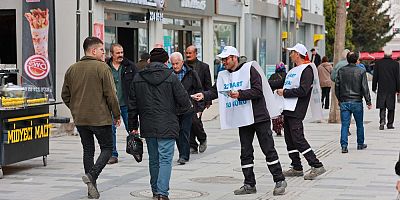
(276, 81)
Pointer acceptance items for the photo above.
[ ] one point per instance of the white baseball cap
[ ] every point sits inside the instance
(299, 48)
(228, 51)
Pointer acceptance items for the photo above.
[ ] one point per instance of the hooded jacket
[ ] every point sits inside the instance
(155, 96)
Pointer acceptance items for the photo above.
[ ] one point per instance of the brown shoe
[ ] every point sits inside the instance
(112, 160)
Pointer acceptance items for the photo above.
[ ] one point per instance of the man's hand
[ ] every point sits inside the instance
(279, 92)
(135, 132)
(233, 94)
(198, 96)
(117, 122)
(369, 107)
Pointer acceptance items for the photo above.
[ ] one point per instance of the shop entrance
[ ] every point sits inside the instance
(128, 30)
(8, 40)
(128, 38)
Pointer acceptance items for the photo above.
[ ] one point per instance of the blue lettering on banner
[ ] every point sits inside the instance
(228, 86)
(288, 82)
(235, 103)
(291, 75)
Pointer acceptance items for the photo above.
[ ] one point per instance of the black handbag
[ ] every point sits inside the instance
(134, 146)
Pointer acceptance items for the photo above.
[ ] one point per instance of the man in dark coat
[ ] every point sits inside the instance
(155, 94)
(386, 80)
(143, 62)
(191, 82)
(203, 70)
(315, 57)
(123, 71)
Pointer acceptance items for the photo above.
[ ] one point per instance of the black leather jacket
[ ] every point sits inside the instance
(351, 84)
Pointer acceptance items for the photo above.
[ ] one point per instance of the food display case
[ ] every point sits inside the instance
(24, 124)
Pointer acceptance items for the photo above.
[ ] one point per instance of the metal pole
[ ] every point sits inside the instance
(280, 32)
(78, 31)
(295, 23)
(90, 16)
(288, 31)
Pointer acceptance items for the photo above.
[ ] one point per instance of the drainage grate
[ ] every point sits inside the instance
(217, 179)
(173, 194)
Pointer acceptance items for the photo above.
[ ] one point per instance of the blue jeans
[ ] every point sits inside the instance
(124, 116)
(161, 152)
(185, 125)
(346, 109)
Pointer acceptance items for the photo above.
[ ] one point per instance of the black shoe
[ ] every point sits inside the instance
(390, 127)
(162, 197)
(361, 146)
(182, 161)
(193, 151)
(280, 187)
(203, 146)
(345, 150)
(381, 127)
(155, 196)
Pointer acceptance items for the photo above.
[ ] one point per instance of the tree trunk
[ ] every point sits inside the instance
(340, 28)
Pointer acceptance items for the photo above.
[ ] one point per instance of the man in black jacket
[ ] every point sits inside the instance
(203, 70)
(351, 86)
(386, 79)
(191, 82)
(315, 57)
(155, 95)
(261, 125)
(123, 71)
(297, 93)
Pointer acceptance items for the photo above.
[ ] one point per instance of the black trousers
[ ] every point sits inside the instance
(197, 132)
(105, 139)
(325, 97)
(296, 143)
(264, 135)
(382, 116)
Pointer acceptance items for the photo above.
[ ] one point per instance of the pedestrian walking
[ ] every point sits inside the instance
(386, 83)
(324, 74)
(351, 86)
(123, 71)
(203, 70)
(315, 57)
(242, 87)
(297, 92)
(191, 82)
(276, 81)
(143, 62)
(89, 92)
(155, 96)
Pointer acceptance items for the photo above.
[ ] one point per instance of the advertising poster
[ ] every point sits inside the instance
(38, 46)
(98, 31)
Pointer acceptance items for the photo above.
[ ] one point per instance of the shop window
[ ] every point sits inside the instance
(109, 38)
(224, 35)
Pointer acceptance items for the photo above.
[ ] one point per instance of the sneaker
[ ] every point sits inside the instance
(381, 127)
(92, 189)
(345, 150)
(193, 151)
(245, 189)
(182, 161)
(203, 146)
(314, 173)
(361, 146)
(293, 173)
(112, 160)
(280, 187)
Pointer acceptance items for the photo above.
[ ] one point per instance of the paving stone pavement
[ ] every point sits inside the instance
(365, 174)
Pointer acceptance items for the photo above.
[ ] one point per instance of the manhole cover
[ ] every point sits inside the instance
(173, 194)
(217, 179)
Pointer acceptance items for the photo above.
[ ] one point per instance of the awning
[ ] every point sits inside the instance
(377, 55)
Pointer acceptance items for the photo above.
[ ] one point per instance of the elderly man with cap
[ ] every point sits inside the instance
(241, 86)
(300, 86)
(155, 96)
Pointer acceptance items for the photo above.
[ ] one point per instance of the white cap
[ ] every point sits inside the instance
(228, 51)
(299, 48)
